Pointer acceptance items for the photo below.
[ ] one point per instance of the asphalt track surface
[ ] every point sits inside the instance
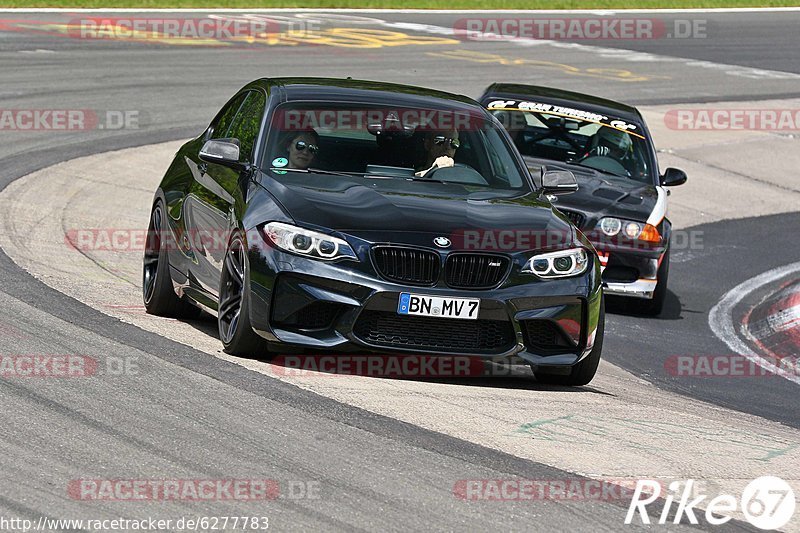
(223, 421)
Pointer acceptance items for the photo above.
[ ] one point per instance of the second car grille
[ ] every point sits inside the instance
(452, 335)
(577, 219)
(407, 265)
(475, 271)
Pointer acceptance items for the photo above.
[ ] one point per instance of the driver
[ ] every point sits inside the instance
(612, 143)
(439, 144)
(615, 144)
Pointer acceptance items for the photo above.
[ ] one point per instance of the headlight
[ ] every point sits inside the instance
(561, 264)
(611, 226)
(308, 243)
(633, 230)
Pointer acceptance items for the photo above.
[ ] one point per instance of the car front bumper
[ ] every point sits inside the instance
(632, 273)
(301, 304)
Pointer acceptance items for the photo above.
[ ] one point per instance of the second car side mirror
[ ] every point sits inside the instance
(223, 152)
(673, 177)
(559, 181)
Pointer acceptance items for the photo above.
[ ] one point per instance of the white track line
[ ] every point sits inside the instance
(720, 319)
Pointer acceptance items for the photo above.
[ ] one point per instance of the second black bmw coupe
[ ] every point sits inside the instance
(349, 215)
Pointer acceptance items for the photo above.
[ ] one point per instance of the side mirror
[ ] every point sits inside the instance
(223, 152)
(672, 177)
(559, 181)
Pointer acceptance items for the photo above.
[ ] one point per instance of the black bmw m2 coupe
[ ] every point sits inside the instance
(343, 215)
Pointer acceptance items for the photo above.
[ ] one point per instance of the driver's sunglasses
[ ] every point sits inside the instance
(441, 139)
(302, 145)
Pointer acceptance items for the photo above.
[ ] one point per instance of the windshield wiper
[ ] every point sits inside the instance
(420, 178)
(317, 171)
(364, 175)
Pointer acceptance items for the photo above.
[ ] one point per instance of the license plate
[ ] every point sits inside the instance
(417, 304)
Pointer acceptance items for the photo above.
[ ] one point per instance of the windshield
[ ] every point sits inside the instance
(607, 144)
(353, 141)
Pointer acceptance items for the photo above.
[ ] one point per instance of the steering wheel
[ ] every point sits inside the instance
(459, 172)
(604, 163)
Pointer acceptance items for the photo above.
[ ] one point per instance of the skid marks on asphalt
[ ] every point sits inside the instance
(631, 432)
(614, 74)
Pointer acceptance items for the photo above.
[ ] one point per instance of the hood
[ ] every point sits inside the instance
(378, 210)
(600, 195)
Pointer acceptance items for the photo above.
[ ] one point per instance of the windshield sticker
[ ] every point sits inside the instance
(280, 162)
(569, 112)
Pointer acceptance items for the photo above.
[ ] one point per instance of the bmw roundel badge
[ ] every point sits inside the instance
(442, 242)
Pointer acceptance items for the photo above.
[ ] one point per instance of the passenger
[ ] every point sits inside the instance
(302, 148)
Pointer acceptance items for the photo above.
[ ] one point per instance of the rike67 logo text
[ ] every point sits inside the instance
(767, 503)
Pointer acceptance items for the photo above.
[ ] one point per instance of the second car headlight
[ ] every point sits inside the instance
(308, 243)
(560, 264)
(611, 226)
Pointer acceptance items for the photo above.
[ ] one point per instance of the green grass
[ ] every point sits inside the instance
(407, 4)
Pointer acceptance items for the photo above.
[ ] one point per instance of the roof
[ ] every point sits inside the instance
(347, 89)
(549, 95)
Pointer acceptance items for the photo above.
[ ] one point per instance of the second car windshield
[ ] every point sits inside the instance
(597, 145)
(390, 142)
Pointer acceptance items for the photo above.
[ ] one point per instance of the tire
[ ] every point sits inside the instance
(157, 291)
(583, 372)
(654, 306)
(233, 315)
